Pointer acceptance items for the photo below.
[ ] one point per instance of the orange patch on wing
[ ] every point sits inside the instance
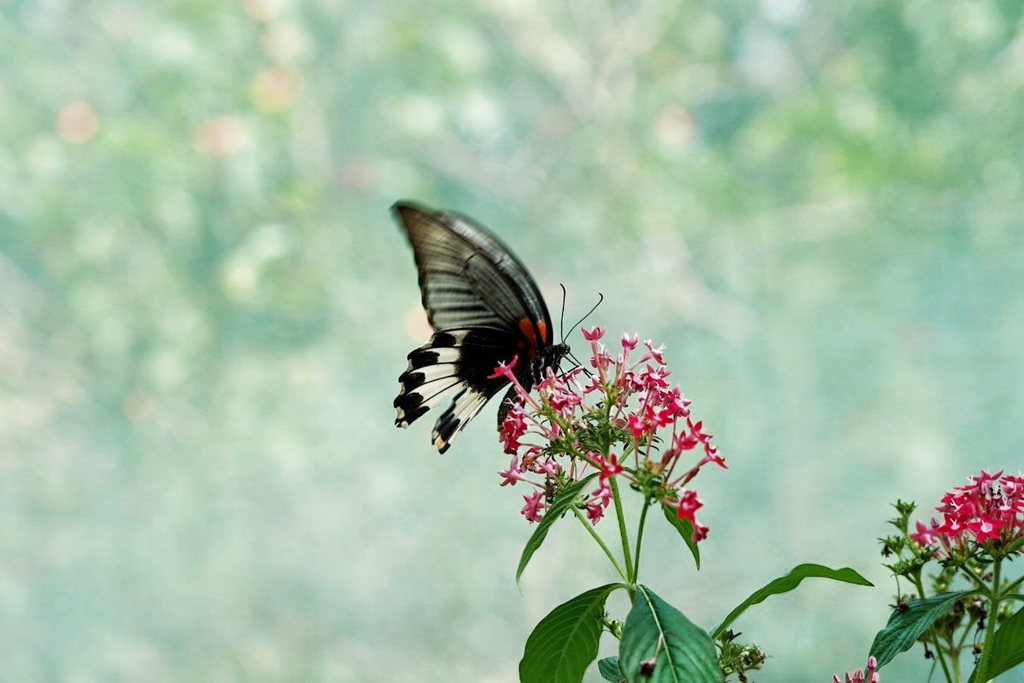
(529, 331)
(542, 327)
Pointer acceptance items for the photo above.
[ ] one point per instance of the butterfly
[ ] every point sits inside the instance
(485, 309)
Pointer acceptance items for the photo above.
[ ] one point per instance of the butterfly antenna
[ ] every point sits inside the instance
(561, 316)
(580, 321)
(579, 364)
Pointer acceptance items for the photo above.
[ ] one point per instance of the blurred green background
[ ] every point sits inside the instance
(204, 308)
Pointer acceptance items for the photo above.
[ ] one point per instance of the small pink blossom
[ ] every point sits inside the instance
(603, 495)
(655, 354)
(513, 428)
(867, 675)
(689, 503)
(925, 535)
(711, 455)
(654, 377)
(985, 482)
(601, 360)
(512, 474)
(609, 467)
(549, 467)
(680, 404)
(636, 426)
(593, 334)
(505, 370)
(985, 528)
(534, 508)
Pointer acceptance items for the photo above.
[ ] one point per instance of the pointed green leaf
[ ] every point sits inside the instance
(908, 623)
(609, 668)
(657, 634)
(565, 499)
(564, 643)
(786, 583)
(1007, 646)
(685, 530)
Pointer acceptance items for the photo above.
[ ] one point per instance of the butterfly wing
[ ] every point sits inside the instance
(485, 309)
(468, 278)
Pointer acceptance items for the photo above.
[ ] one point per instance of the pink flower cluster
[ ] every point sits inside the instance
(549, 437)
(989, 510)
(868, 675)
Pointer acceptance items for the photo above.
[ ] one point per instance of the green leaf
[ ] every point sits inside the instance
(564, 643)
(565, 499)
(685, 530)
(786, 583)
(609, 668)
(908, 623)
(1007, 646)
(659, 634)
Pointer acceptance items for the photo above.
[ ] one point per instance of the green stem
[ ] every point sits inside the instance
(640, 540)
(939, 655)
(607, 551)
(623, 534)
(981, 673)
(976, 579)
(958, 647)
(1010, 587)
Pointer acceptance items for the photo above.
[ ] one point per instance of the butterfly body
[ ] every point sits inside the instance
(485, 309)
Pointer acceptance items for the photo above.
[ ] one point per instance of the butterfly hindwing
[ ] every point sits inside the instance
(485, 309)
(454, 365)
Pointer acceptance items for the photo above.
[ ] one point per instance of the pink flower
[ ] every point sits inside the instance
(549, 467)
(985, 482)
(985, 528)
(925, 535)
(609, 467)
(534, 508)
(655, 354)
(505, 370)
(680, 404)
(564, 400)
(601, 360)
(654, 377)
(711, 455)
(1014, 487)
(662, 418)
(688, 505)
(603, 495)
(988, 511)
(684, 441)
(623, 420)
(512, 474)
(868, 675)
(636, 426)
(513, 428)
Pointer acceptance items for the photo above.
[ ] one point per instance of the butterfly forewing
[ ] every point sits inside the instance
(467, 277)
(485, 309)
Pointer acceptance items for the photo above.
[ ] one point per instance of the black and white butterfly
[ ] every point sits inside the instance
(485, 309)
